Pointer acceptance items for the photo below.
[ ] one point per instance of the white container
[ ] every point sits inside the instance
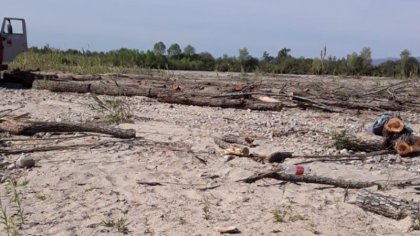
(294, 170)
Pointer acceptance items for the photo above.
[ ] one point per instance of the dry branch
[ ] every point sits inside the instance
(27, 127)
(309, 179)
(49, 148)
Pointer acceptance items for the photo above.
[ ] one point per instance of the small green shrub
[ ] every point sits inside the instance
(340, 139)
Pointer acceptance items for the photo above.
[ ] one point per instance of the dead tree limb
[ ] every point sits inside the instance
(27, 127)
(386, 205)
(338, 157)
(309, 179)
(49, 148)
(189, 99)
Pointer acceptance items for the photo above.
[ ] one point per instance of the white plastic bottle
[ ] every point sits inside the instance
(294, 170)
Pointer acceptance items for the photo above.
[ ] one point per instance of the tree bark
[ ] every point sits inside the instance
(359, 145)
(387, 206)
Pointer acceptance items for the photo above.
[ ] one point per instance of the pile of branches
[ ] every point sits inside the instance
(268, 93)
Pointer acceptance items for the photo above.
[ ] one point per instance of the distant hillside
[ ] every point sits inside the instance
(379, 61)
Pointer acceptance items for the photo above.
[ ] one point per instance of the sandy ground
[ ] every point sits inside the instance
(72, 192)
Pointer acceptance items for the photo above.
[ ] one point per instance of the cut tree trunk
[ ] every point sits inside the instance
(358, 145)
(387, 206)
(26, 127)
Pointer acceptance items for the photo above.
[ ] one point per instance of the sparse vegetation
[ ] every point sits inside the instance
(340, 139)
(114, 110)
(8, 220)
(286, 214)
(16, 198)
(206, 210)
(415, 224)
(41, 197)
(45, 84)
(132, 60)
(182, 220)
(148, 230)
(119, 224)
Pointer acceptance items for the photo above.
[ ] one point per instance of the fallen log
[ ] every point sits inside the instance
(27, 127)
(386, 205)
(103, 87)
(275, 174)
(349, 142)
(188, 99)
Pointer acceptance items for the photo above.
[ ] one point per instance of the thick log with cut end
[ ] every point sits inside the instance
(359, 145)
(26, 127)
(105, 87)
(387, 206)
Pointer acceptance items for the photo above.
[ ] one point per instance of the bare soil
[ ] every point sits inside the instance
(158, 182)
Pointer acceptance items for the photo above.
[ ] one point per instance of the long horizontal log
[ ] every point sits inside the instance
(99, 87)
(309, 179)
(27, 127)
(186, 99)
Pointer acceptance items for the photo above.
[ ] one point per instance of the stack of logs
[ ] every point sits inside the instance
(396, 136)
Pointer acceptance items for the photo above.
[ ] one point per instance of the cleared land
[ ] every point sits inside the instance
(173, 179)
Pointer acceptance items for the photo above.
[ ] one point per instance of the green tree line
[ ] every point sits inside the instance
(176, 58)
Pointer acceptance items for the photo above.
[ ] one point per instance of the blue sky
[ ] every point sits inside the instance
(223, 26)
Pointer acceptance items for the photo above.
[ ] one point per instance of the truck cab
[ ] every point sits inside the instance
(13, 40)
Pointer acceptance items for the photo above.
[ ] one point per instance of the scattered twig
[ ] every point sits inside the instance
(50, 138)
(329, 160)
(149, 183)
(154, 183)
(209, 188)
(200, 159)
(8, 111)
